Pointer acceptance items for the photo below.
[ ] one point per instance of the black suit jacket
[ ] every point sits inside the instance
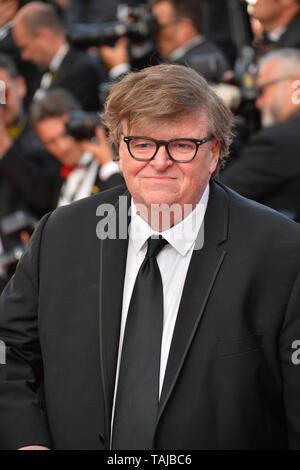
(231, 380)
(28, 176)
(81, 75)
(268, 169)
(291, 37)
(207, 59)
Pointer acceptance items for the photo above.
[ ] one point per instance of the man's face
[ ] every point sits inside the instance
(32, 48)
(167, 37)
(15, 90)
(266, 10)
(161, 180)
(52, 132)
(275, 100)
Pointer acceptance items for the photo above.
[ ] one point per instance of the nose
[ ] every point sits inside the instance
(161, 160)
(63, 144)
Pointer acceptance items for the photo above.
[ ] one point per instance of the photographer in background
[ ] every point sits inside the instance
(27, 172)
(179, 40)
(40, 36)
(87, 166)
(8, 11)
(268, 168)
(280, 20)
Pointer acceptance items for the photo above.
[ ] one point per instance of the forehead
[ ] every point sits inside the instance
(51, 127)
(267, 70)
(163, 9)
(21, 34)
(190, 125)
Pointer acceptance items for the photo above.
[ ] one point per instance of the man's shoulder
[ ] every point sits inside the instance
(283, 137)
(78, 58)
(291, 37)
(252, 216)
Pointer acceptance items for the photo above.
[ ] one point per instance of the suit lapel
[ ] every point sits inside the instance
(203, 271)
(113, 254)
(59, 75)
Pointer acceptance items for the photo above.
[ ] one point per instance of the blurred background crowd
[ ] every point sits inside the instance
(59, 58)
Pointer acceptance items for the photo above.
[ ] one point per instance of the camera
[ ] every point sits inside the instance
(141, 26)
(82, 125)
(11, 228)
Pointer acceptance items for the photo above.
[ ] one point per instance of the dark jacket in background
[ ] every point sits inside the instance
(28, 174)
(207, 59)
(291, 37)
(268, 169)
(81, 75)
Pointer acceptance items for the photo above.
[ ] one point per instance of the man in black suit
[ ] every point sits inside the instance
(8, 11)
(39, 35)
(268, 168)
(221, 297)
(280, 20)
(27, 171)
(88, 167)
(180, 39)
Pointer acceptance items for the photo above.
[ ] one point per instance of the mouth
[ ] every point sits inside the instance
(159, 178)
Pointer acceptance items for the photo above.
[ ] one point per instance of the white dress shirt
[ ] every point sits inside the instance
(173, 262)
(47, 78)
(276, 34)
(81, 180)
(5, 29)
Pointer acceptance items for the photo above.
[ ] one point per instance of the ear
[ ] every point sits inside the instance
(120, 161)
(44, 33)
(214, 155)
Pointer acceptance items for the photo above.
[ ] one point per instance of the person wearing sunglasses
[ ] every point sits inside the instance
(268, 168)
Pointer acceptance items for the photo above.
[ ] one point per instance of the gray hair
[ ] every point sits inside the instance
(288, 58)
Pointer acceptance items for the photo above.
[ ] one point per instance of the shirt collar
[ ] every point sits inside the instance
(180, 51)
(181, 236)
(276, 34)
(85, 158)
(59, 57)
(5, 30)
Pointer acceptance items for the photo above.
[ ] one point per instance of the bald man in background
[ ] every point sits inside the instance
(40, 37)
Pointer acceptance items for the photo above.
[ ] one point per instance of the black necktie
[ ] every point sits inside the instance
(138, 386)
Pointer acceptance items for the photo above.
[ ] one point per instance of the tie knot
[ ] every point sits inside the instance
(155, 245)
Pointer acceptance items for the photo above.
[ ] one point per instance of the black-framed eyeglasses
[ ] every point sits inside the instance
(144, 149)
